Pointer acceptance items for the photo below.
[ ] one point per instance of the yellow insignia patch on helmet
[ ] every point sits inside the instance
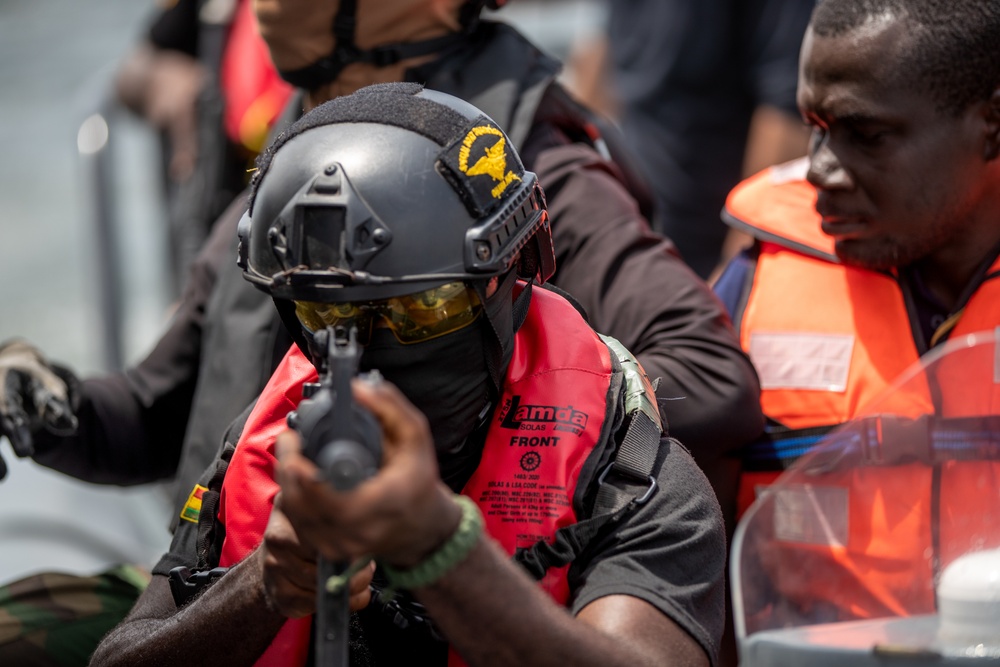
(491, 162)
(482, 166)
(192, 508)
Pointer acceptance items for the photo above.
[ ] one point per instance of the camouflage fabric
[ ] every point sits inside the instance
(56, 620)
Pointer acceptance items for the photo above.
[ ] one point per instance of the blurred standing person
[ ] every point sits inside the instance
(203, 78)
(75, 557)
(688, 77)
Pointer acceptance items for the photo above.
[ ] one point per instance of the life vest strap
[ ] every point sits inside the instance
(779, 447)
(628, 478)
(879, 440)
(211, 532)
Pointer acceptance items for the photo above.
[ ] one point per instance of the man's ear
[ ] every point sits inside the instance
(991, 148)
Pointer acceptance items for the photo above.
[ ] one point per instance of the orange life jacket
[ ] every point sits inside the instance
(549, 422)
(826, 340)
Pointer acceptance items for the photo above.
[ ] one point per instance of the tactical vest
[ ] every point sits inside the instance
(554, 426)
(826, 340)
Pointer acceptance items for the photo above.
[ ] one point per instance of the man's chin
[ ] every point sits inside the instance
(867, 255)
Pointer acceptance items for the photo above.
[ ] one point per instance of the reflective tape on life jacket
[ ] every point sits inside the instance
(552, 418)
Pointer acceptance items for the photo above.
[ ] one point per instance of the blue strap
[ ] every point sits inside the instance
(879, 440)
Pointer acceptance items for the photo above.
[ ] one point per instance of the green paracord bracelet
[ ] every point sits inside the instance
(450, 554)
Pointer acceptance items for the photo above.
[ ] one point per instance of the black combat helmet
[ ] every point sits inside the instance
(388, 192)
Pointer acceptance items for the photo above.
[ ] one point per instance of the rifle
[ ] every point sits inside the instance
(345, 441)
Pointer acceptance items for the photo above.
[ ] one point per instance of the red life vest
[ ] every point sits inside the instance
(826, 340)
(254, 93)
(549, 421)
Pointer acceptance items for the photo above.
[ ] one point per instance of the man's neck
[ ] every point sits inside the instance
(948, 275)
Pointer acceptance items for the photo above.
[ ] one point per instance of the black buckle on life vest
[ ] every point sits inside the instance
(185, 584)
(638, 501)
(383, 56)
(405, 612)
(890, 435)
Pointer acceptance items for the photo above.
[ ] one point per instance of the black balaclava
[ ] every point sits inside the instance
(454, 379)
(446, 378)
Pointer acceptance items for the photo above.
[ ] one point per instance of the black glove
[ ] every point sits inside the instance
(33, 394)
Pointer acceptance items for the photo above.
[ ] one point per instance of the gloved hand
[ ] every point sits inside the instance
(33, 394)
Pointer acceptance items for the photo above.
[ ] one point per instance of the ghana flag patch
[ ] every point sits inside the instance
(192, 508)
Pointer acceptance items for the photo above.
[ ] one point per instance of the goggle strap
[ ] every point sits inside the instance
(494, 348)
(521, 305)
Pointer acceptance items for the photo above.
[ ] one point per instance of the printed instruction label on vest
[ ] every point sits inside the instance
(525, 491)
(524, 496)
(811, 514)
(524, 500)
(796, 360)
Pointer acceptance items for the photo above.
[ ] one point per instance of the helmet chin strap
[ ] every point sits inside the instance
(286, 311)
(504, 316)
(346, 51)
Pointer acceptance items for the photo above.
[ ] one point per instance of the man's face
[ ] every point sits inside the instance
(898, 181)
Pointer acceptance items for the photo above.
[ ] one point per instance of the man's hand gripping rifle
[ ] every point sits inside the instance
(345, 441)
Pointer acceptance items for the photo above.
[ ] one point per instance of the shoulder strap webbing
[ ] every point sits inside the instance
(211, 532)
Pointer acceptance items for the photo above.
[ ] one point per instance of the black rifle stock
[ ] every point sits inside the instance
(345, 441)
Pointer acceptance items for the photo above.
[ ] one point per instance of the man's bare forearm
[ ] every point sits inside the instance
(493, 614)
(229, 624)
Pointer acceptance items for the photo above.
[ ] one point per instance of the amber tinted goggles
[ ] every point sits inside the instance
(411, 318)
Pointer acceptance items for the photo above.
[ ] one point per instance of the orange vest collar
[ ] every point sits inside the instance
(777, 204)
